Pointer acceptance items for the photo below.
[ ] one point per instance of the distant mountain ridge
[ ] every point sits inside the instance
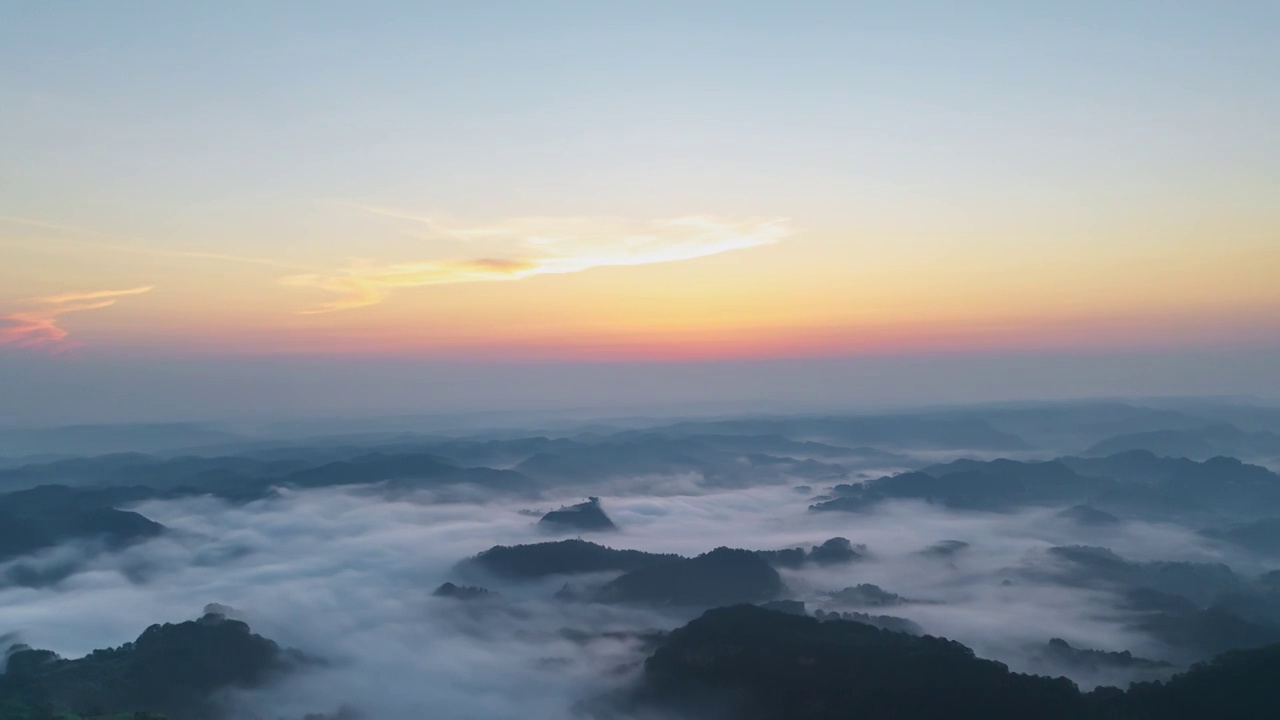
(1194, 443)
(1136, 482)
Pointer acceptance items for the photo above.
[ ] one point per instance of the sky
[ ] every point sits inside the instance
(279, 201)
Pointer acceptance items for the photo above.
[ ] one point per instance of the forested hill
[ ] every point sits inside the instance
(748, 663)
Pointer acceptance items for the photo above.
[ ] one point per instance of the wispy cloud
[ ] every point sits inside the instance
(38, 326)
(526, 247)
(95, 295)
(78, 234)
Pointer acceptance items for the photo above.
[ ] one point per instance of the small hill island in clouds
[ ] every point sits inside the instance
(585, 516)
(639, 361)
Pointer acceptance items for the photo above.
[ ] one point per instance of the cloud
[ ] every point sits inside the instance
(346, 575)
(525, 247)
(134, 249)
(66, 298)
(518, 248)
(38, 327)
(363, 284)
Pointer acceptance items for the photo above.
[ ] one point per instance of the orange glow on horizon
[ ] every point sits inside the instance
(710, 343)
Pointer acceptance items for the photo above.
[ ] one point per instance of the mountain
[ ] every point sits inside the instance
(1155, 487)
(1262, 536)
(1088, 515)
(945, 549)
(1074, 424)
(1137, 482)
(970, 484)
(1194, 609)
(1199, 443)
(649, 454)
(586, 517)
(906, 431)
(411, 471)
(1201, 634)
(1057, 657)
(564, 557)
(883, 622)
(175, 669)
(50, 515)
(834, 551)
(868, 595)
(748, 663)
(249, 478)
(1145, 599)
(780, 445)
(133, 469)
(723, 576)
(1237, 685)
(1089, 566)
(461, 592)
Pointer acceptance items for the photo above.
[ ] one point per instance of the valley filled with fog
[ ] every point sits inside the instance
(410, 573)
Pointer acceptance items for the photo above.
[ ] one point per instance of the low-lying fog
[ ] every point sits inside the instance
(346, 576)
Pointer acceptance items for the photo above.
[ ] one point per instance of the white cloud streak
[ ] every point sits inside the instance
(539, 246)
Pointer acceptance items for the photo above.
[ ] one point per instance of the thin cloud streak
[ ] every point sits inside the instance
(541, 246)
(38, 327)
(434, 225)
(134, 250)
(97, 295)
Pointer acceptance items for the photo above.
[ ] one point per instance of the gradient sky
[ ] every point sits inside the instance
(635, 183)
